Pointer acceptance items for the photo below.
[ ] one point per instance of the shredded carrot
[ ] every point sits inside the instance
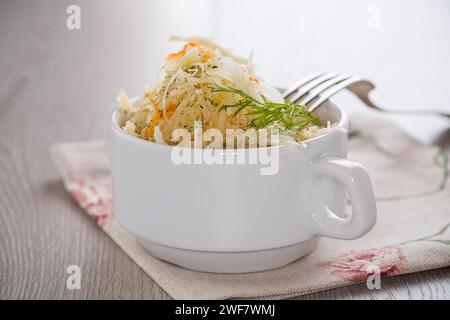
(155, 105)
(182, 52)
(171, 107)
(151, 129)
(155, 119)
(207, 55)
(176, 55)
(252, 78)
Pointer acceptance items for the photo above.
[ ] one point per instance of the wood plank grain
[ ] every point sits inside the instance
(45, 99)
(58, 87)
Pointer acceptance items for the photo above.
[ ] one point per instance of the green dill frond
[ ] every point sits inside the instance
(265, 113)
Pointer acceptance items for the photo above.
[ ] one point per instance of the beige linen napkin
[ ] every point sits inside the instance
(412, 232)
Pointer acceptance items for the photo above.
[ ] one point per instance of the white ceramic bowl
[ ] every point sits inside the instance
(230, 218)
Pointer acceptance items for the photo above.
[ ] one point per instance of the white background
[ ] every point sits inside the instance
(408, 57)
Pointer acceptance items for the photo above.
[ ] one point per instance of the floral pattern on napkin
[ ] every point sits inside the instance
(94, 196)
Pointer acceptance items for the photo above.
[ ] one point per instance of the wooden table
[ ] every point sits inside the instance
(56, 85)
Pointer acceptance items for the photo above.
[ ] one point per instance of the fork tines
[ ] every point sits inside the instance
(315, 89)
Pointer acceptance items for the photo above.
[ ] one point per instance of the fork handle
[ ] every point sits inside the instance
(361, 88)
(356, 85)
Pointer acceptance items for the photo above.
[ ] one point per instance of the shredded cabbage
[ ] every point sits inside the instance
(182, 94)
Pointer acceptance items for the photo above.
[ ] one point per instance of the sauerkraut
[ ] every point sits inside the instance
(207, 84)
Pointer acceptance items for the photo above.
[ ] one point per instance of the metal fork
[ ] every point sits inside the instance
(313, 90)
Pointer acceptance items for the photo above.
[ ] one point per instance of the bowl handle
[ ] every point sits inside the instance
(356, 179)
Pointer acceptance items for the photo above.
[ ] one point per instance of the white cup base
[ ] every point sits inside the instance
(231, 262)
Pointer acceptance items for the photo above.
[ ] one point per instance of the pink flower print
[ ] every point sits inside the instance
(94, 196)
(353, 266)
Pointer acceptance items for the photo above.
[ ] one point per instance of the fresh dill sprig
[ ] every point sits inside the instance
(264, 113)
